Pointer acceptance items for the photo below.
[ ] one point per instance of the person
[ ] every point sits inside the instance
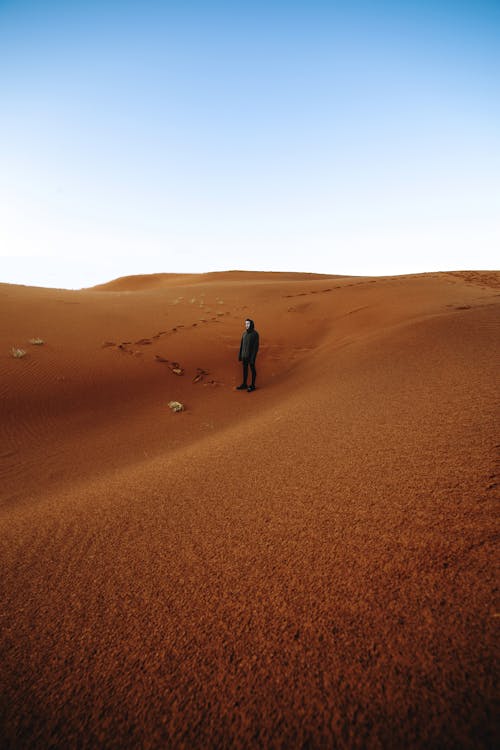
(248, 352)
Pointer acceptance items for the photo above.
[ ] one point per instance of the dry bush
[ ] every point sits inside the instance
(176, 405)
(17, 353)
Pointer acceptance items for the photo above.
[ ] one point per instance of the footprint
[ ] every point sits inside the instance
(200, 373)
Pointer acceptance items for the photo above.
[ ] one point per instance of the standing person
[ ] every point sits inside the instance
(248, 352)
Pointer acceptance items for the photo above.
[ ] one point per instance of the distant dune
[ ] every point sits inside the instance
(309, 565)
(164, 280)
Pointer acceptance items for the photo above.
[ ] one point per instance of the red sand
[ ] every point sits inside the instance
(309, 565)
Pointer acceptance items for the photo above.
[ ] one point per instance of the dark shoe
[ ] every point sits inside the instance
(250, 388)
(241, 387)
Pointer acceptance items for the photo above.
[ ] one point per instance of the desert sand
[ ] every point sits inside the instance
(307, 566)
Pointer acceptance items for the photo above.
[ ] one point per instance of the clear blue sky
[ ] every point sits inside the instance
(339, 137)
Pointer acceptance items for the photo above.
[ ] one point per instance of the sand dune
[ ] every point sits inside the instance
(309, 565)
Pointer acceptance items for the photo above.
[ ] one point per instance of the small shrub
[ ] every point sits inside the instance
(17, 353)
(37, 341)
(176, 405)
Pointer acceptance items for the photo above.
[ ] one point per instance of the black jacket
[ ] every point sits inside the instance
(249, 345)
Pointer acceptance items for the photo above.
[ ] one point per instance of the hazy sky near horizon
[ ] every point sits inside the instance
(339, 137)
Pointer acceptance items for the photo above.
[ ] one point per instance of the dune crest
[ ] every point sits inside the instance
(163, 280)
(305, 565)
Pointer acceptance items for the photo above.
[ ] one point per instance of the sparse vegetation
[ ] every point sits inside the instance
(37, 341)
(176, 368)
(17, 353)
(176, 405)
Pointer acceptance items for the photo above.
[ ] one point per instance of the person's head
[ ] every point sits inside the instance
(249, 324)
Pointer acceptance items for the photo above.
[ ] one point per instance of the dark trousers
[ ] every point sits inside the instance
(245, 364)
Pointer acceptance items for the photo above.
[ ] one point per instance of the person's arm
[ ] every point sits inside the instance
(241, 346)
(255, 347)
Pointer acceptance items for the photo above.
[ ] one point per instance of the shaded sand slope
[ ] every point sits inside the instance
(309, 565)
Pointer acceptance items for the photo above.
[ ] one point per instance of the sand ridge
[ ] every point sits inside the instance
(307, 565)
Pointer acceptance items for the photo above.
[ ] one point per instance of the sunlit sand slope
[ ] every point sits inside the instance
(308, 565)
